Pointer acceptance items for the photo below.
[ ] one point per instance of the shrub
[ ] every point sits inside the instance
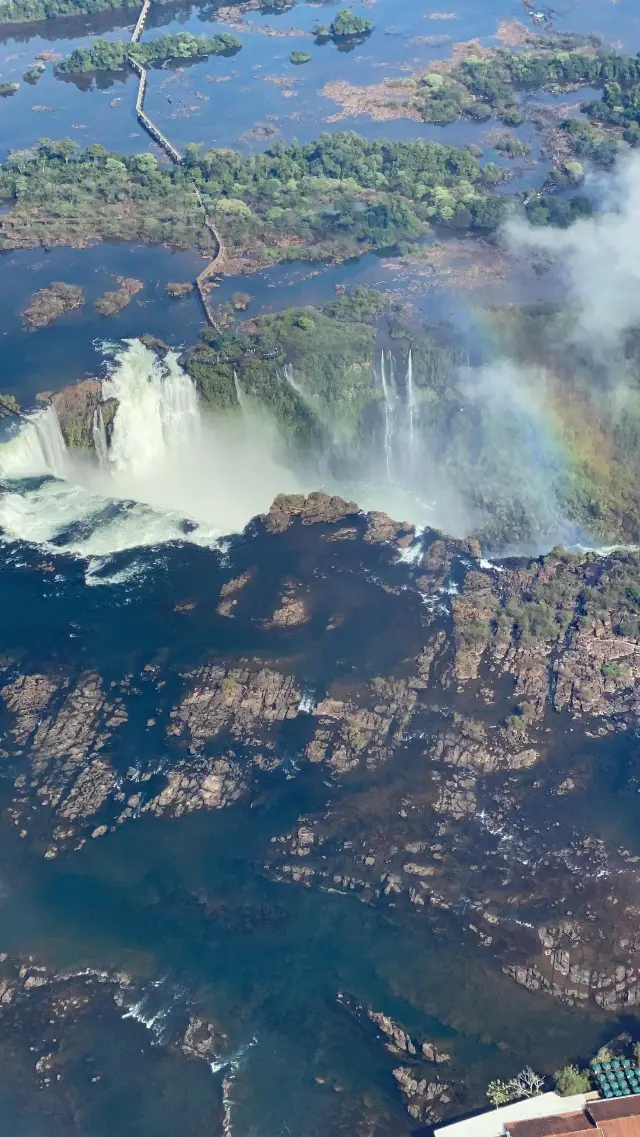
(346, 25)
(499, 1093)
(570, 1080)
(612, 670)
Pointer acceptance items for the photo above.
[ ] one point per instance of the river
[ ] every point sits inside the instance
(186, 905)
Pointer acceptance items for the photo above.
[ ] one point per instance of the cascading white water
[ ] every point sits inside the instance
(37, 447)
(238, 389)
(157, 410)
(388, 411)
(411, 406)
(99, 434)
(293, 382)
(166, 475)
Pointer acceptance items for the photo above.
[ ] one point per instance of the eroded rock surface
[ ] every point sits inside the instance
(458, 717)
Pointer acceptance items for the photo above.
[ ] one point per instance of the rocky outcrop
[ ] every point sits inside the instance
(228, 597)
(155, 344)
(421, 1095)
(110, 303)
(75, 406)
(458, 716)
(381, 527)
(9, 406)
(317, 508)
(238, 699)
(423, 1090)
(597, 673)
(213, 785)
(292, 608)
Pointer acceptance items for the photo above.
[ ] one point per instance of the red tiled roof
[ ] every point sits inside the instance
(573, 1123)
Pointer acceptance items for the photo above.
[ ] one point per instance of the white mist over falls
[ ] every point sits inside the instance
(167, 473)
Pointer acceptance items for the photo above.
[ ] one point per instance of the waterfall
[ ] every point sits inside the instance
(157, 410)
(411, 406)
(164, 476)
(388, 411)
(99, 435)
(179, 409)
(291, 380)
(37, 448)
(239, 394)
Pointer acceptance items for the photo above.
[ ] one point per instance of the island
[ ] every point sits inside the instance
(111, 55)
(50, 303)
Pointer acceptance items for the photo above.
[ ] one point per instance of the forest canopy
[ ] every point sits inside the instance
(339, 196)
(107, 55)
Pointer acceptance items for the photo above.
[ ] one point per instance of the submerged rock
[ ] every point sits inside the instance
(63, 1032)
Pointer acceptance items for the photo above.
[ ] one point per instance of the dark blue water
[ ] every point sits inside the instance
(189, 902)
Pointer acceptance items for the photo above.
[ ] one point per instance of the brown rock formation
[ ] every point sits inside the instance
(75, 406)
(317, 508)
(461, 717)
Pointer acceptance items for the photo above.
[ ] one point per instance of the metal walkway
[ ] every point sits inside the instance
(176, 157)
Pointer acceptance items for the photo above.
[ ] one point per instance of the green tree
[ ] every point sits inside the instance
(570, 1080)
(499, 1093)
(346, 25)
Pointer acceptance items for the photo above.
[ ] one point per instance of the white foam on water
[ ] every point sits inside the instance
(307, 702)
(485, 564)
(412, 554)
(154, 1022)
(234, 1061)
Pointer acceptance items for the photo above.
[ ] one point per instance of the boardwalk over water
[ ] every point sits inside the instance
(176, 157)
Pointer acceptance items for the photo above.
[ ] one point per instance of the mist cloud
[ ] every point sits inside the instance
(599, 257)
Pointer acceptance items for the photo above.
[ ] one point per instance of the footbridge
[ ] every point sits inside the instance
(141, 21)
(202, 281)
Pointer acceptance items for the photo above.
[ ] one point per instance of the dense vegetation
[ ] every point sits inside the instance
(345, 26)
(26, 11)
(480, 88)
(333, 198)
(107, 55)
(517, 476)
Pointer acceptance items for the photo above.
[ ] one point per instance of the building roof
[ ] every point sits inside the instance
(578, 1124)
(612, 1108)
(617, 1117)
(493, 1122)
